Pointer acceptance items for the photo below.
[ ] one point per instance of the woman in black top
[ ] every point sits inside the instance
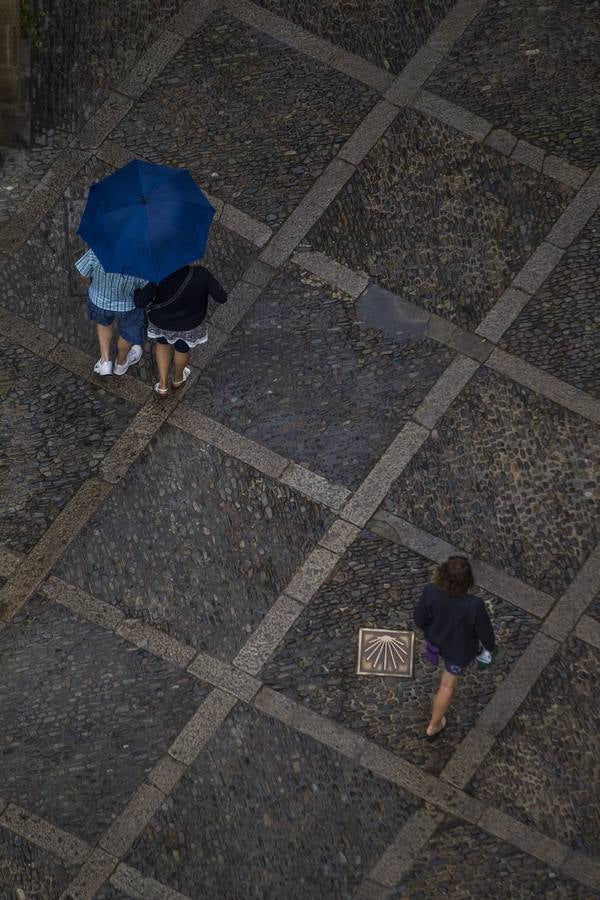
(456, 625)
(176, 321)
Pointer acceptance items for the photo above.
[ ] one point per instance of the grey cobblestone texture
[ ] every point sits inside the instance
(194, 542)
(40, 283)
(559, 329)
(545, 766)
(522, 499)
(377, 584)
(463, 861)
(85, 51)
(303, 340)
(381, 31)
(504, 62)
(56, 431)
(21, 169)
(26, 871)
(254, 120)
(85, 721)
(594, 609)
(316, 821)
(438, 218)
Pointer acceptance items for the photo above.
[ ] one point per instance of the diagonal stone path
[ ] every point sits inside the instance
(178, 622)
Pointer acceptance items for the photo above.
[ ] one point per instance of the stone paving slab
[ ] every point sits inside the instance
(56, 430)
(377, 584)
(195, 542)
(559, 329)
(463, 861)
(41, 284)
(254, 120)
(503, 64)
(382, 31)
(301, 375)
(27, 871)
(594, 609)
(545, 767)
(84, 722)
(520, 486)
(307, 822)
(439, 219)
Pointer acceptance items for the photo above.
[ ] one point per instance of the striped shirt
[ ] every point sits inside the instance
(108, 290)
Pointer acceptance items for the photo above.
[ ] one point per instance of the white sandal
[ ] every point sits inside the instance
(186, 374)
(162, 392)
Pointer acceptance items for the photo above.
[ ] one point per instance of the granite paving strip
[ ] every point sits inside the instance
(192, 16)
(578, 212)
(315, 486)
(96, 869)
(265, 639)
(9, 560)
(525, 773)
(575, 600)
(502, 314)
(26, 870)
(102, 122)
(492, 579)
(413, 76)
(128, 882)
(588, 629)
(375, 123)
(582, 868)
(446, 389)
(43, 556)
(332, 272)
(202, 726)
(545, 384)
(464, 121)
(158, 55)
(538, 267)
(400, 856)
(43, 834)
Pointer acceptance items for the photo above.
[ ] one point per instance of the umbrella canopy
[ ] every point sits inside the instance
(146, 220)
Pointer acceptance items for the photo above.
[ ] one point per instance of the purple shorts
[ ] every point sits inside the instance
(432, 655)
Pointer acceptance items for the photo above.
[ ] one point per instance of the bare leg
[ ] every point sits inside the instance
(105, 334)
(123, 348)
(164, 356)
(181, 361)
(442, 701)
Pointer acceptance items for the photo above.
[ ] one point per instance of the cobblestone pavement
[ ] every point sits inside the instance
(408, 366)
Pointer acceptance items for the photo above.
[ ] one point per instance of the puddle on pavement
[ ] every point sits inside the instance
(380, 309)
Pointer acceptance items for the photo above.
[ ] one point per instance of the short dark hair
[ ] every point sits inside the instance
(455, 576)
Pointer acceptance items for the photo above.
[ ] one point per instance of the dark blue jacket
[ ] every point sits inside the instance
(457, 625)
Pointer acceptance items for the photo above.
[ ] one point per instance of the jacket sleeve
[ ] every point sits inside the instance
(422, 614)
(483, 628)
(85, 264)
(215, 289)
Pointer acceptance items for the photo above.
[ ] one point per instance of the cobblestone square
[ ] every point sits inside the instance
(559, 329)
(503, 64)
(304, 341)
(28, 871)
(86, 721)
(526, 500)
(463, 861)
(235, 536)
(377, 584)
(253, 120)
(438, 218)
(283, 791)
(551, 741)
(56, 431)
(382, 31)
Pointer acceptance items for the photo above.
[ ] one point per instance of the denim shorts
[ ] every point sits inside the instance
(130, 324)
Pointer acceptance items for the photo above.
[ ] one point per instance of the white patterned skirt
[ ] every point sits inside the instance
(192, 337)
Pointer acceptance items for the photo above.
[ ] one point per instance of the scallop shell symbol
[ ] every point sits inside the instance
(382, 648)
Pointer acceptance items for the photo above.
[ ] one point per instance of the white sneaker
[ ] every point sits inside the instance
(103, 367)
(485, 657)
(133, 357)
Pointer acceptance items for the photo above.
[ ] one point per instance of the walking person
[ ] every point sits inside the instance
(110, 301)
(457, 628)
(176, 322)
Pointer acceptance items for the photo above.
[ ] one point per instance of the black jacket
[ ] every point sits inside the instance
(189, 309)
(457, 625)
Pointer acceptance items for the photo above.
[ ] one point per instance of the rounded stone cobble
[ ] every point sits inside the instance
(460, 861)
(384, 32)
(377, 585)
(307, 821)
(545, 766)
(56, 431)
(20, 170)
(510, 53)
(438, 218)
(559, 329)
(303, 341)
(520, 477)
(253, 119)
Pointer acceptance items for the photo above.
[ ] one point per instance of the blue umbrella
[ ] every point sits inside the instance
(146, 220)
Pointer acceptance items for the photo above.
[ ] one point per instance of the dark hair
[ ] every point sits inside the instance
(455, 576)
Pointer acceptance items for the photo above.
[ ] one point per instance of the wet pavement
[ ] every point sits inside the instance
(407, 367)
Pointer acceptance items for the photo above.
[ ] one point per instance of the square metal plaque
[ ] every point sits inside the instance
(385, 652)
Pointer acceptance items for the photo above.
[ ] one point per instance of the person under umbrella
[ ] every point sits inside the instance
(176, 317)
